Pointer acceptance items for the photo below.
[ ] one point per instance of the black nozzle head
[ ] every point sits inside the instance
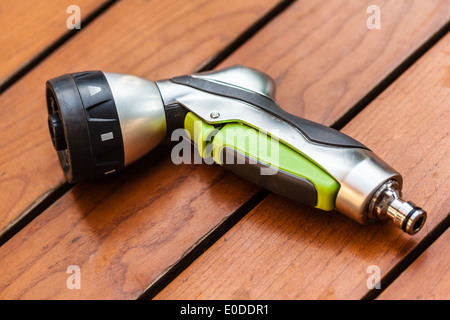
(84, 125)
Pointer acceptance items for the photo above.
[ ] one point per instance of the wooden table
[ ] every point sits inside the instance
(164, 231)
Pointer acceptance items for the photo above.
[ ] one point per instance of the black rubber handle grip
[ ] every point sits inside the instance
(313, 131)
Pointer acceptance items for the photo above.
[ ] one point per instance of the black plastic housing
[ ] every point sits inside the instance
(84, 125)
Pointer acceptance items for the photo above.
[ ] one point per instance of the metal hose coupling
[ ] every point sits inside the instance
(386, 204)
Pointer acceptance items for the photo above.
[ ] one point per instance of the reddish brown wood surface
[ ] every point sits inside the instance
(29, 27)
(150, 39)
(427, 278)
(323, 57)
(310, 254)
(128, 230)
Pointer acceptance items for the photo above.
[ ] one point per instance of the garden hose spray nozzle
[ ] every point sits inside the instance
(101, 122)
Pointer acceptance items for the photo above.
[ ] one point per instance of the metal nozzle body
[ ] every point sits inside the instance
(386, 204)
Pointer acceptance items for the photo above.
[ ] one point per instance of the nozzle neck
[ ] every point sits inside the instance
(386, 204)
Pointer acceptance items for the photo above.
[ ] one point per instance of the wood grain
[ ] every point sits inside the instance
(150, 39)
(428, 278)
(126, 231)
(283, 250)
(29, 27)
(87, 226)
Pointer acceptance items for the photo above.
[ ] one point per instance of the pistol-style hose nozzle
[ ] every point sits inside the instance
(101, 122)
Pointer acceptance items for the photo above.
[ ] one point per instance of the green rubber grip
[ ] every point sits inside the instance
(263, 151)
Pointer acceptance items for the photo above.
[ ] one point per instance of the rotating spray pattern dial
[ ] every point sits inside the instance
(101, 122)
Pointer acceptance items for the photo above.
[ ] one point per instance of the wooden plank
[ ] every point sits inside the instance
(123, 232)
(150, 39)
(283, 250)
(29, 27)
(427, 278)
